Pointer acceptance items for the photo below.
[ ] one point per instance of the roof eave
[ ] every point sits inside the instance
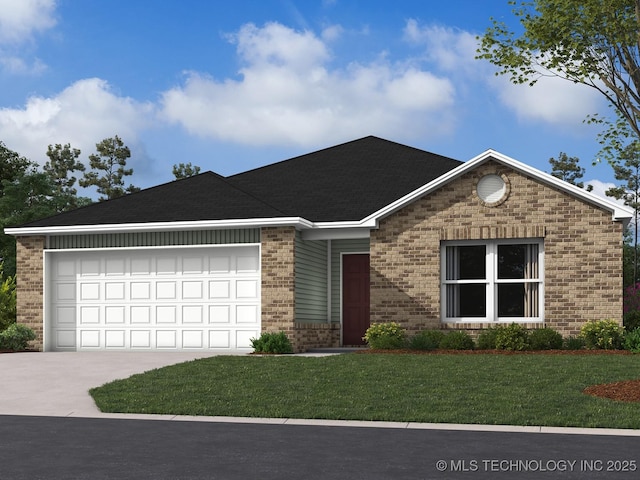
(619, 213)
(298, 222)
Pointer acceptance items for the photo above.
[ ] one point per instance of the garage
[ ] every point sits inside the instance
(184, 298)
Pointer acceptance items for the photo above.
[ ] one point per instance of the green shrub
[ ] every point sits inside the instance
(7, 301)
(602, 334)
(386, 336)
(512, 337)
(573, 343)
(16, 337)
(545, 339)
(426, 340)
(457, 340)
(632, 341)
(487, 339)
(272, 343)
(631, 320)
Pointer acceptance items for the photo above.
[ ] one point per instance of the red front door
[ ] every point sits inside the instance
(355, 298)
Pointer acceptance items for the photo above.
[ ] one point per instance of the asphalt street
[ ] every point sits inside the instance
(97, 448)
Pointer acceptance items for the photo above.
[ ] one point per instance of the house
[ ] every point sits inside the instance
(320, 246)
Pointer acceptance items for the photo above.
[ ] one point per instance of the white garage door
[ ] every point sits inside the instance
(147, 299)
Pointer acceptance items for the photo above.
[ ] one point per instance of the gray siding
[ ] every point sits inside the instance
(156, 239)
(311, 280)
(359, 245)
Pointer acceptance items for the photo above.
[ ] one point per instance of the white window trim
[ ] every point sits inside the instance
(491, 269)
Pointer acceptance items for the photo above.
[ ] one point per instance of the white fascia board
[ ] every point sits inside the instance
(619, 212)
(336, 233)
(297, 222)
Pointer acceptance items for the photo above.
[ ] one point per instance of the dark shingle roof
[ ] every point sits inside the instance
(341, 183)
(346, 182)
(207, 196)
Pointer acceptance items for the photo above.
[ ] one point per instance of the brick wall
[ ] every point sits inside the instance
(582, 245)
(29, 281)
(278, 280)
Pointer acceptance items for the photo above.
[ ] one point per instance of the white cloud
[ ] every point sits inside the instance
(600, 188)
(82, 114)
(289, 94)
(552, 100)
(19, 66)
(19, 19)
(451, 49)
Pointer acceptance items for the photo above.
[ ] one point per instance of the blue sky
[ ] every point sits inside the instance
(231, 86)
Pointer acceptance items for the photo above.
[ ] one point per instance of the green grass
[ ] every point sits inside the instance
(482, 389)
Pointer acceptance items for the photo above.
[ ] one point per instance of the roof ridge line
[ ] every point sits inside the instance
(228, 181)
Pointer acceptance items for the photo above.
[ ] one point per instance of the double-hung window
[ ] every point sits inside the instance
(497, 280)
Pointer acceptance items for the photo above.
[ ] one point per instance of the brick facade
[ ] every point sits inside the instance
(582, 248)
(278, 279)
(29, 282)
(582, 260)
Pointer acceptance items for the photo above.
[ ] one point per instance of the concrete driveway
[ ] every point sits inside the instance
(57, 383)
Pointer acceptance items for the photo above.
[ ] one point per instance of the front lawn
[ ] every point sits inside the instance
(481, 388)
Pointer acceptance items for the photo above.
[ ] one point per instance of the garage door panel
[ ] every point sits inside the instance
(193, 314)
(166, 290)
(114, 315)
(65, 316)
(115, 267)
(188, 298)
(140, 314)
(141, 266)
(243, 337)
(219, 314)
(192, 339)
(65, 338)
(65, 292)
(166, 314)
(247, 289)
(246, 314)
(89, 291)
(90, 339)
(192, 290)
(220, 264)
(115, 338)
(65, 268)
(89, 315)
(140, 339)
(166, 339)
(140, 290)
(90, 268)
(193, 265)
(114, 291)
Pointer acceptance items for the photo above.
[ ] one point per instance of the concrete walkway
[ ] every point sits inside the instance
(56, 384)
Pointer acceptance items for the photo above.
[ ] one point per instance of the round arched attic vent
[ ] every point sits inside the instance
(491, 188)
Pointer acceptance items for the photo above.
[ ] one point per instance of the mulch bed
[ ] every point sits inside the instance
(626, 391)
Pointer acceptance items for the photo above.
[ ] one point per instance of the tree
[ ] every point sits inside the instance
(63, 162)
(182, 170)
(591, 42)
(110, 161)
(12, 165)
(627, 171)
(28, 197)
(568, 169)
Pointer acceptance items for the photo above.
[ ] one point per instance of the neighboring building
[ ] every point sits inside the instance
(320, 246)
